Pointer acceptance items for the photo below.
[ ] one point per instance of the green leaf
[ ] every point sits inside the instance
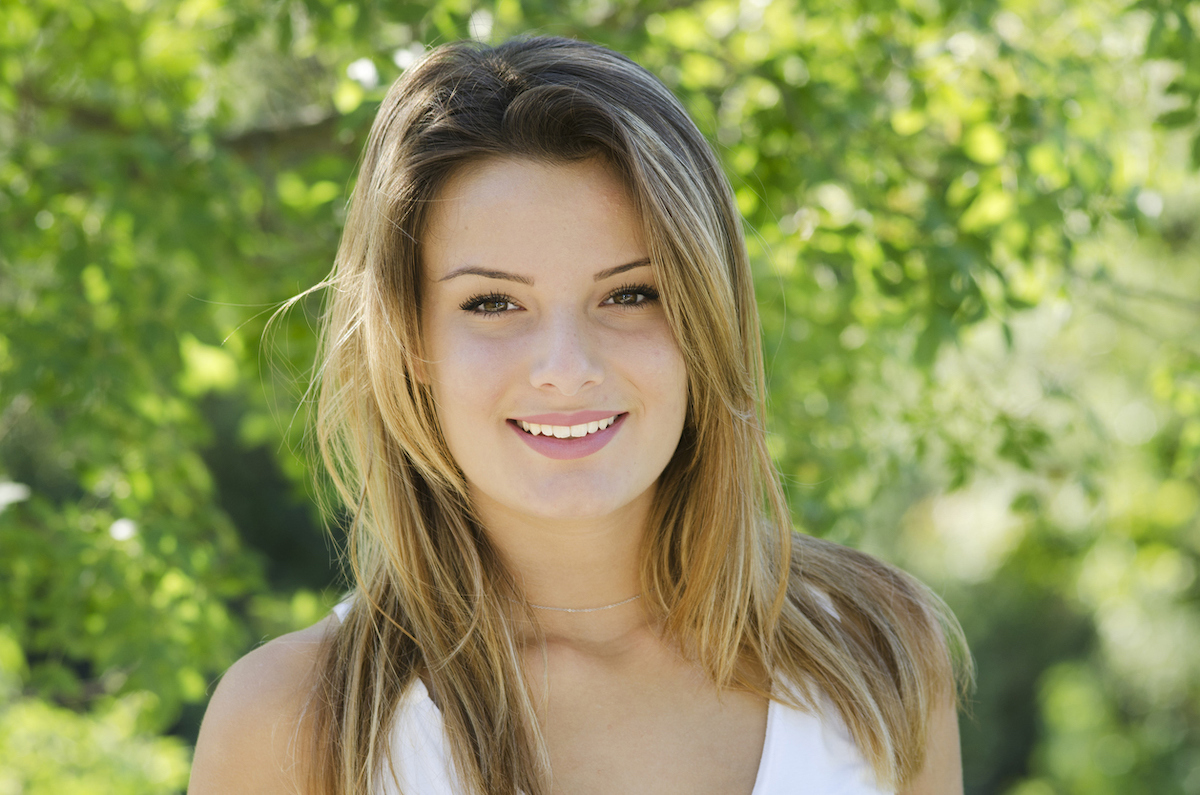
(984, 144)
(1181, 117)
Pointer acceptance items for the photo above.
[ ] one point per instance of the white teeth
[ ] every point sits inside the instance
(566, 431)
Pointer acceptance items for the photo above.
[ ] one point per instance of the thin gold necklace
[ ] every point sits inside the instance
(586, 609)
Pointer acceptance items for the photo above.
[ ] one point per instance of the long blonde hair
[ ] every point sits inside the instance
(722, 567)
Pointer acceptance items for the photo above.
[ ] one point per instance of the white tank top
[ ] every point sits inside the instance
(803, 754)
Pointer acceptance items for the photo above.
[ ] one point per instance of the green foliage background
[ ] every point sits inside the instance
(974, 228)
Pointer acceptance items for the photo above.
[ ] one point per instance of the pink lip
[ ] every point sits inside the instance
(574, 418)
(564, 449)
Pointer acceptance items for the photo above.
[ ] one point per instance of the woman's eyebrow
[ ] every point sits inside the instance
(604, 274)
(488, 273)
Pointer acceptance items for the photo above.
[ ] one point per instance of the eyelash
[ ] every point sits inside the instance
(649, 292)
(473, 303)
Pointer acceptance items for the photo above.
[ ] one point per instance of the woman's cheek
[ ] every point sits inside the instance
(652, 350)
(478, 363)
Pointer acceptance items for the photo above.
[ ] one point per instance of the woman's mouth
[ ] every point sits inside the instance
(569, 441)
(566, 431)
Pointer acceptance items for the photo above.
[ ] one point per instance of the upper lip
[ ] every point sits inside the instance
(574, 418)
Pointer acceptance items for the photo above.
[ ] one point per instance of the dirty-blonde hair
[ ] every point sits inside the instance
(722, 567)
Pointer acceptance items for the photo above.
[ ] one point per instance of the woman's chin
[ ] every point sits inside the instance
(577, 504)
(568, 510)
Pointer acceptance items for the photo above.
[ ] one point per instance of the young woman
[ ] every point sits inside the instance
(541, 395)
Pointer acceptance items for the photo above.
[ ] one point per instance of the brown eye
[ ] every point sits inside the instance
(488, 304)
(632, 295)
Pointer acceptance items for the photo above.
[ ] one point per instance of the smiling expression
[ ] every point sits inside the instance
(560, 389)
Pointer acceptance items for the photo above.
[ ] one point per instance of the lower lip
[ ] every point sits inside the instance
(571, 447)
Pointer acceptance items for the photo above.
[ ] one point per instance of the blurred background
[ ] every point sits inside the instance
(974, 233)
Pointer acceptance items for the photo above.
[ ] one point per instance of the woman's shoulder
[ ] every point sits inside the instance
(838, 578)
(251, 740)
(885, 611)
(903, 649)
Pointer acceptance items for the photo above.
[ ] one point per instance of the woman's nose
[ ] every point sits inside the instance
(566, 357)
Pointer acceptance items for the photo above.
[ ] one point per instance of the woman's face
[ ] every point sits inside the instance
(541, 320)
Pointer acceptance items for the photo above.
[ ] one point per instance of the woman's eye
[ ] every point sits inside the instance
(488, 304)
(632, 295)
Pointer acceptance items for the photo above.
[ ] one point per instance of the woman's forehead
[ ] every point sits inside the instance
(522, 215)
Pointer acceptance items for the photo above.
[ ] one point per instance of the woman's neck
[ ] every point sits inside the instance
(574, 562)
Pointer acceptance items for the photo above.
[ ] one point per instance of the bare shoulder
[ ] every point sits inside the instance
(251, 740)
(941, 773)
